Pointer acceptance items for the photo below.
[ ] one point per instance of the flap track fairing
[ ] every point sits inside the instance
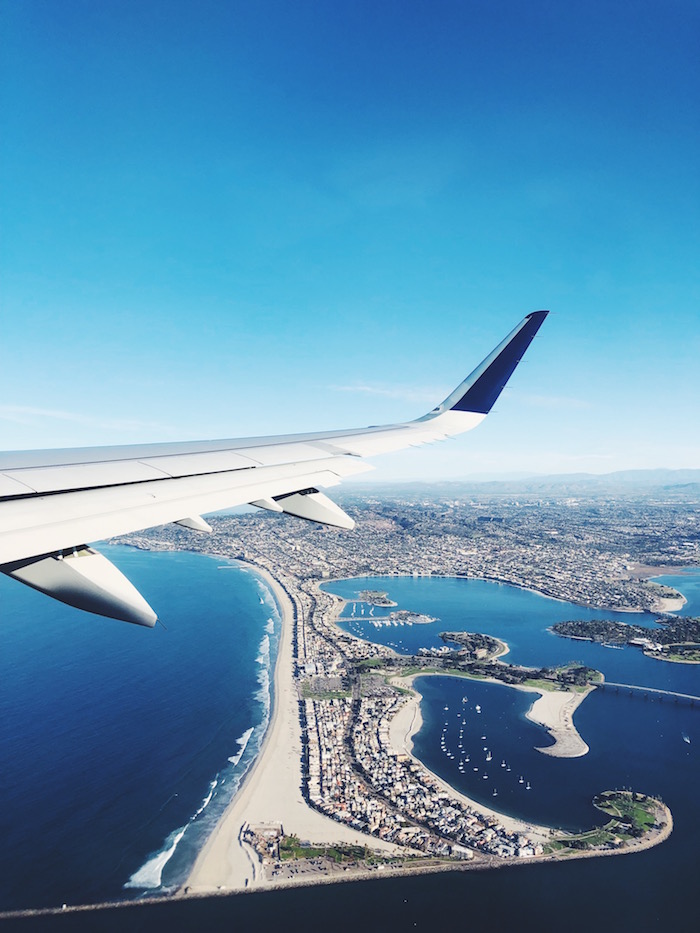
(85, 579)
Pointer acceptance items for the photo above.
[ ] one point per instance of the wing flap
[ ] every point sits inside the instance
(44, 525)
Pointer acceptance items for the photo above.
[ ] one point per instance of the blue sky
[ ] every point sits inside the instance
(223, 219)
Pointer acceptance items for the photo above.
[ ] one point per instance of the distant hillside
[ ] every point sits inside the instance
(682, 484)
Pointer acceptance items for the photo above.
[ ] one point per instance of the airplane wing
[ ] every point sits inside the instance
(53, 502)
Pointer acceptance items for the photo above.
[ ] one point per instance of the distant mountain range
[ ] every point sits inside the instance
(672, 483)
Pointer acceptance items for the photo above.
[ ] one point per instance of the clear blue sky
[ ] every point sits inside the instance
(236, 218)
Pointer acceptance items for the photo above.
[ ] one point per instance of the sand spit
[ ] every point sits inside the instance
(554, 710)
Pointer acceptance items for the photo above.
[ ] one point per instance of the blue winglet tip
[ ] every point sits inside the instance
(497, 369)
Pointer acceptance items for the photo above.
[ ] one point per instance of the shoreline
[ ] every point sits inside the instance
(406, 724)
(552, 709)
(663, 603)
(270, 793)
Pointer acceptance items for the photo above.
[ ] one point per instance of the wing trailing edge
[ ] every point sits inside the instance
(51, 502)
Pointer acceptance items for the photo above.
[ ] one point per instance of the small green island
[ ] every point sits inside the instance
(677, 640)
(377, 598)
(478, 655)
(473, 646)
(402, 617)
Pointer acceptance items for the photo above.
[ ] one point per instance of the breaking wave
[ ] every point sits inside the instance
(264, 651)
(150, 875)
(225, 785)
(243, 743)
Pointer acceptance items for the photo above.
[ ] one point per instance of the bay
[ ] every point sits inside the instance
(635, 740)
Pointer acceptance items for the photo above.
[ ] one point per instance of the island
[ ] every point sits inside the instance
(402, 617)
(474, 646)
(376, 598)
(678, 640)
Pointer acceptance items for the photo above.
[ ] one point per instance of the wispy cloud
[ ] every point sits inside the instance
(30, 415)
(556, 402)
(422, 396)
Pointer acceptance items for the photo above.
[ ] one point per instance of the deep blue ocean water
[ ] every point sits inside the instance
(113, 737)
(121, 745)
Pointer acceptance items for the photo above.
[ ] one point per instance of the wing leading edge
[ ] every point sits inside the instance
(52, 502)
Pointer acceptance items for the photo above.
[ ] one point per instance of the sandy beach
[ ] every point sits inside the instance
(271, 791)
(407, 723)
(555, 710)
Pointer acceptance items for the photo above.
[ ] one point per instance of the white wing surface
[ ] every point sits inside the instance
(53, 502)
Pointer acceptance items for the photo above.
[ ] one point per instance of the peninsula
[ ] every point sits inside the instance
(336, 791)
(678, 639)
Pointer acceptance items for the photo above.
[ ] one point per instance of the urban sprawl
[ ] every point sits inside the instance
(590, 550)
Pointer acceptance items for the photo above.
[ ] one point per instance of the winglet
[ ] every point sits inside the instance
(481, 388)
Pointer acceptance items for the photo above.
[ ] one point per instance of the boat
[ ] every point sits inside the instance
(477, 708)
(686, 737)
(489, 756)
(464, 699)
(486, 777)
(520, 780)
(607, 644)
(446, 708)
(503, 763)
(527, 786)
(495, 792)
(483, 736)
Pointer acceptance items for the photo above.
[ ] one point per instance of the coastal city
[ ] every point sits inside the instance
(352, 696)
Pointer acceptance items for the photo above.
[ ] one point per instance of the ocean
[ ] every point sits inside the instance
(121, 746)
(115, 738)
